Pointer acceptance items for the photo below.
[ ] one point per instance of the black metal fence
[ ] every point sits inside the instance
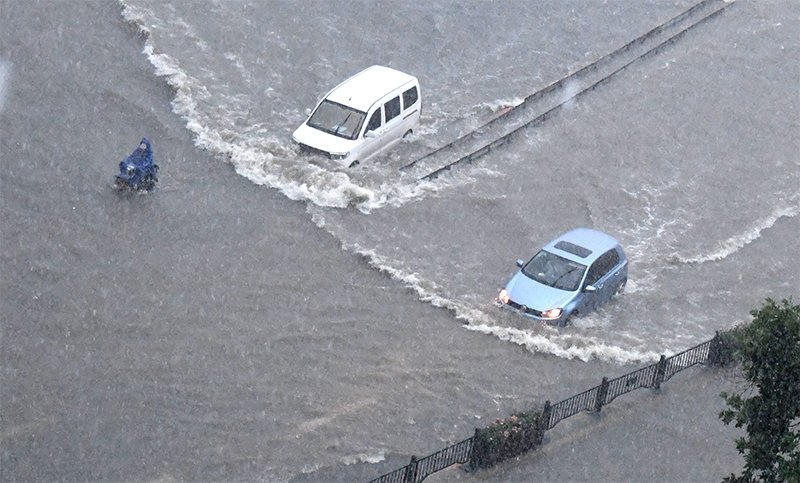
(418, 470)
(525, 431)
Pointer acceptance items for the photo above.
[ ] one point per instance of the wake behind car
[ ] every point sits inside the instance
(362, 116)
(572, 275)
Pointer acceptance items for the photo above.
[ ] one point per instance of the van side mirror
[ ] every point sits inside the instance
(370, 134)
(308, 111)
(590, 289)
(520, 263)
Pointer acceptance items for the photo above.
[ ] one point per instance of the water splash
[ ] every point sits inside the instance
(735, 243)
(567, 346)
(255, 153)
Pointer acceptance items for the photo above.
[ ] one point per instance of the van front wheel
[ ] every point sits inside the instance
(353, 164)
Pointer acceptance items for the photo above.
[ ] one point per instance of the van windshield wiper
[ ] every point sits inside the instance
(343, 125)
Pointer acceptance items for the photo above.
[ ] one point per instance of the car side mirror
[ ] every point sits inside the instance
(308, 111)
(590, 289)
(520, 263)
(370, 134)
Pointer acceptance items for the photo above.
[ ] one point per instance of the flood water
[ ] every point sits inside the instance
(686, 157)
(293, 316)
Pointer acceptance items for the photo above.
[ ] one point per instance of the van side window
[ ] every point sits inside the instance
(374, 121)
(392, 108)
(410, 97)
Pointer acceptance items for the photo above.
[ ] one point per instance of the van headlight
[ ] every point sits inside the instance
(339, 156)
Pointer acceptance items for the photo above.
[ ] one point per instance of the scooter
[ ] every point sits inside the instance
(138, 172)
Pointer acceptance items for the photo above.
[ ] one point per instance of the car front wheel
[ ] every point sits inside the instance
(566, 320)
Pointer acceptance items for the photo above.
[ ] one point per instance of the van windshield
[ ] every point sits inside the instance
(337, 119)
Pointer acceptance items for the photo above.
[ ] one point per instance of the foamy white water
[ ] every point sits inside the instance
(752, 233)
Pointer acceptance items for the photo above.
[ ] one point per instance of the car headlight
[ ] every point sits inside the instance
(503, 296)
(339, 156)
(552, 313)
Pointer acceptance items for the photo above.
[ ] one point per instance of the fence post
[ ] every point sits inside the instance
(661, 369)
(720, 351)
(411, 471)
(601, 395)
(478, 452)
(546, 414)
(544, 423)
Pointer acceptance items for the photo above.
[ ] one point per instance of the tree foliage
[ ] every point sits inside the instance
(769, 351)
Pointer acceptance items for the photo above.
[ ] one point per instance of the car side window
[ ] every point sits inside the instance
(410, 97)
(392, 108)
(374, 121)
(602, 266)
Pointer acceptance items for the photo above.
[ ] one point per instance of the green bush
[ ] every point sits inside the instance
(506, 438)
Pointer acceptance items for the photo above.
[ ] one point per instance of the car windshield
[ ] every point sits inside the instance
(554, 271)
(337, 119)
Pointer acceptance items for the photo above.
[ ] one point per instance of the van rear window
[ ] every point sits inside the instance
(410, 97)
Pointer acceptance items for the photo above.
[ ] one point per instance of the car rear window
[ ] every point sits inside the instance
(572, 248)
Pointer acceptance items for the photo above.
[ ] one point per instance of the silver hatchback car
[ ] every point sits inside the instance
(574, 274)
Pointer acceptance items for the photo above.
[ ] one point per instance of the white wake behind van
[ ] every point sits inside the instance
(362, 116)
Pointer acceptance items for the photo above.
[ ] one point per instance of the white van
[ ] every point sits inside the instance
(362, 116)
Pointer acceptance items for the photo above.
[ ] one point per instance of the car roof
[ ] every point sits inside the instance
(365, 88)
(569, 245)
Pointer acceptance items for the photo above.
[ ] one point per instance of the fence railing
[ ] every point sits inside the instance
(525, 431)
(609, 65)
(584, 401)
(418, 470)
